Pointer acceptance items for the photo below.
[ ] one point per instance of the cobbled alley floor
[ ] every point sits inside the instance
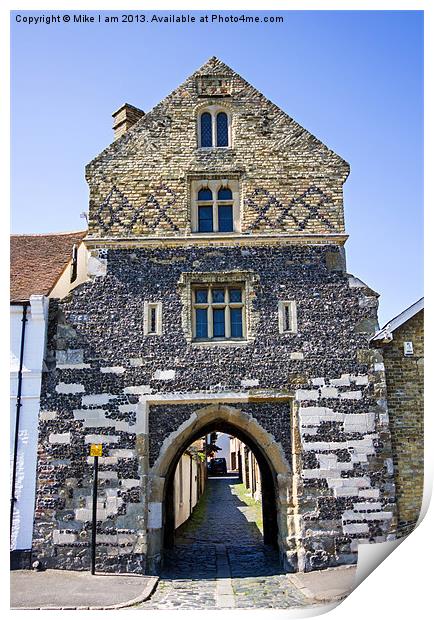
(219, 559)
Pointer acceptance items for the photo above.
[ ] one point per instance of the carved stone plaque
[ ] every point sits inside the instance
(214, 86)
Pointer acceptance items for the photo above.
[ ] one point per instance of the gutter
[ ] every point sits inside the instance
(25, 305)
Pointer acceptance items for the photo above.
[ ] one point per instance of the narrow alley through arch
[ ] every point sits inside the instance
(219, 559)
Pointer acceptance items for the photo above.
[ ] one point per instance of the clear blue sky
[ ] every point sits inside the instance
(352, 78)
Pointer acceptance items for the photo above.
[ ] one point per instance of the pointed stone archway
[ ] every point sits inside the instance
(278, 510)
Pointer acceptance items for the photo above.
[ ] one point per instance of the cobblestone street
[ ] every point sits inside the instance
(219, 559)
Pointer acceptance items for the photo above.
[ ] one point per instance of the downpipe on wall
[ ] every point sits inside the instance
(24, 319)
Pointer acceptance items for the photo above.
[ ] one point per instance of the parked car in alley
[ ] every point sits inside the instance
(217, 467)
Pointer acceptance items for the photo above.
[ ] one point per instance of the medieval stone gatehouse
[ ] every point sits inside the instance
(217, 299)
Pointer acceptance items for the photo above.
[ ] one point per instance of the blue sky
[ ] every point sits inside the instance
(352, 78)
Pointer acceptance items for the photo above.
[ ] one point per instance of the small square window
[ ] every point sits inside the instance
(201, 296)
(235, 295)
(218, 295)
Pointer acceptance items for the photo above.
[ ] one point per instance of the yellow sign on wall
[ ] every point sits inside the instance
(96, 449)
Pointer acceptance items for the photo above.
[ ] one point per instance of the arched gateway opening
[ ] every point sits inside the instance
(268, 485)
(273, 465)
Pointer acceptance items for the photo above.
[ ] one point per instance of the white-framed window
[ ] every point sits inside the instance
(214, 127)
(287, 317)
(215, 206)
(218, 311)
(152, 318)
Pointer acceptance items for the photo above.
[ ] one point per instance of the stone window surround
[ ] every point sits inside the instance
(292, 309)
(148, 306)
(214, 184)
(213, 109)
(247, 279)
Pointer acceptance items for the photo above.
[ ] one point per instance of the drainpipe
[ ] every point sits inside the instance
(25, 305)
(191, 482)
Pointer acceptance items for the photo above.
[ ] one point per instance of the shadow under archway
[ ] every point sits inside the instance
(268, 483)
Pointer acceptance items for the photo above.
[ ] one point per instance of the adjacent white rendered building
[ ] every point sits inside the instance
(42, 267)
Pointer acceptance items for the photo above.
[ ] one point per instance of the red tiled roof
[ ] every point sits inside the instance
(37, 262)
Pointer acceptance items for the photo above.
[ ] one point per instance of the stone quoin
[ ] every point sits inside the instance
(217, 298)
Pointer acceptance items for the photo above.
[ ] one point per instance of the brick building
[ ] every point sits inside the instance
(402, 345)
(217, 300)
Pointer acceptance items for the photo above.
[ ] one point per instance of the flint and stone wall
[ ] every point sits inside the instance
(100, 363)
(332, 444)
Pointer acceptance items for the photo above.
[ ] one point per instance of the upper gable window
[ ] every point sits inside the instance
(222, 129)
(214, 128)
(206, 129)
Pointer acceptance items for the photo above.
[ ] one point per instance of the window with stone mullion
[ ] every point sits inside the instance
(216, 213)
(221, 316)
(214, 128)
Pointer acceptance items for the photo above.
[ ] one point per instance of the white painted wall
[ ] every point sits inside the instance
(63, 284)
(252, 478)
(34, 352)
(223, 442)
(181, 496)
(34, 349)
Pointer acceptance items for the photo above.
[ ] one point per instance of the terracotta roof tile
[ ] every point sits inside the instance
(37, 261)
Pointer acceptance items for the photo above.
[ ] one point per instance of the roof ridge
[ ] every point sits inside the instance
(399, 319)
(403, 311)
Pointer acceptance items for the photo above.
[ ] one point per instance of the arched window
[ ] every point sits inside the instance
(204, 194)
(214, 207)
(222, 129)
(214, 128)
(225, 210)
(205, 210)
(224, 193)
(206, 129)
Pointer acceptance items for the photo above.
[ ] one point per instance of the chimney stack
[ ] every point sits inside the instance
(124, 118)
